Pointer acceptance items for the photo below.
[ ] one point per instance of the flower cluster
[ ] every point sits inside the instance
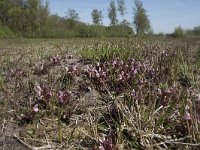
(106, 144)
(190, 114)
(56, 60)
(43, 92)
(166, 95)
(72, 70)
(117, 74)
(43, 67)
(16, 73)
(64, 97)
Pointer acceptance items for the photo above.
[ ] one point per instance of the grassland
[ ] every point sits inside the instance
(100, 93)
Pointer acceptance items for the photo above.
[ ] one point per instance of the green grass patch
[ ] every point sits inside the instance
(103, 51)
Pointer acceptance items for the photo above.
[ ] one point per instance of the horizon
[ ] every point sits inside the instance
(164, 16)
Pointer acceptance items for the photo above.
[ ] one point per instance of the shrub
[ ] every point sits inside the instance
(6, 32)
(178, 32)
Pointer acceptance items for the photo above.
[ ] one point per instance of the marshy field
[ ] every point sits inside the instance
(100, 93)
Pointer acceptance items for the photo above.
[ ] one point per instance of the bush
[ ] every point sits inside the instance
(6, 32)
(178, 32)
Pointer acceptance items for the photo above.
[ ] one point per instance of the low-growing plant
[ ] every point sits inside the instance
(107, 51)
(131, 94)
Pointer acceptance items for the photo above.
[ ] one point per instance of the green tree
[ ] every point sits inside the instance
(43, 19)
(178, 32)
(5, 6)
(125, 23)
(141, 21)
(196, 30)
(121, 8)
(72, 17)
(112, 13)
(72, 14)
(97, 17)
(14, 14)
(34, 16)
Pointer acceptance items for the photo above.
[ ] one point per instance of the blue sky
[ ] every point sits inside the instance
(164, 15)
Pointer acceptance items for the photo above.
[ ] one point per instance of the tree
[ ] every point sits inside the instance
(121, 8)
(72, 15)
(178, 32)
(97, 17)
(43, 18)
(141, 21)
(112, 13)
(72, 18)
(34, 16)
(125, 23)
(196, 30)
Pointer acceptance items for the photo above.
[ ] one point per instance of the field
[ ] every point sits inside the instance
(125, 93)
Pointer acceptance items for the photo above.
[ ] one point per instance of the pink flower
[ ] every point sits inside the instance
(43, 92)
(133, 93)
(104, 74)
(38, 90)
(159, 91)
(98, 64)
(41, 67)
(74, 68)
(198, 117)
(46, 93)
(119, 77)
(97, 74)
(63, 96)
(106, 144)
(55, 60)
(114, 63)
(35, 108)
(187, 115)
(198, 99)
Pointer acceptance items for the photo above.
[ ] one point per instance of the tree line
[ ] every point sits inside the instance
(32, 18)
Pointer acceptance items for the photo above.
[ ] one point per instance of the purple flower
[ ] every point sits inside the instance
(126, 66)
(16, 73)
(134, 70)
(133, 93)
(99, 69)
(98, 64)
(198, 99)
(106, 144)
(43, 92)
(41, 67)
(119, 77)
(74, 68)
(187, 115)
(35, 108)
(198, 117)
(46, 93)
(38, 90)
(114, 62)
(55, 60)
(97, 74)
(121, 62)
(104, 74)
(63, 96)
(159, 91)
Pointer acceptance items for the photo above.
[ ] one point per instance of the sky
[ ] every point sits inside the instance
(164, 15)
